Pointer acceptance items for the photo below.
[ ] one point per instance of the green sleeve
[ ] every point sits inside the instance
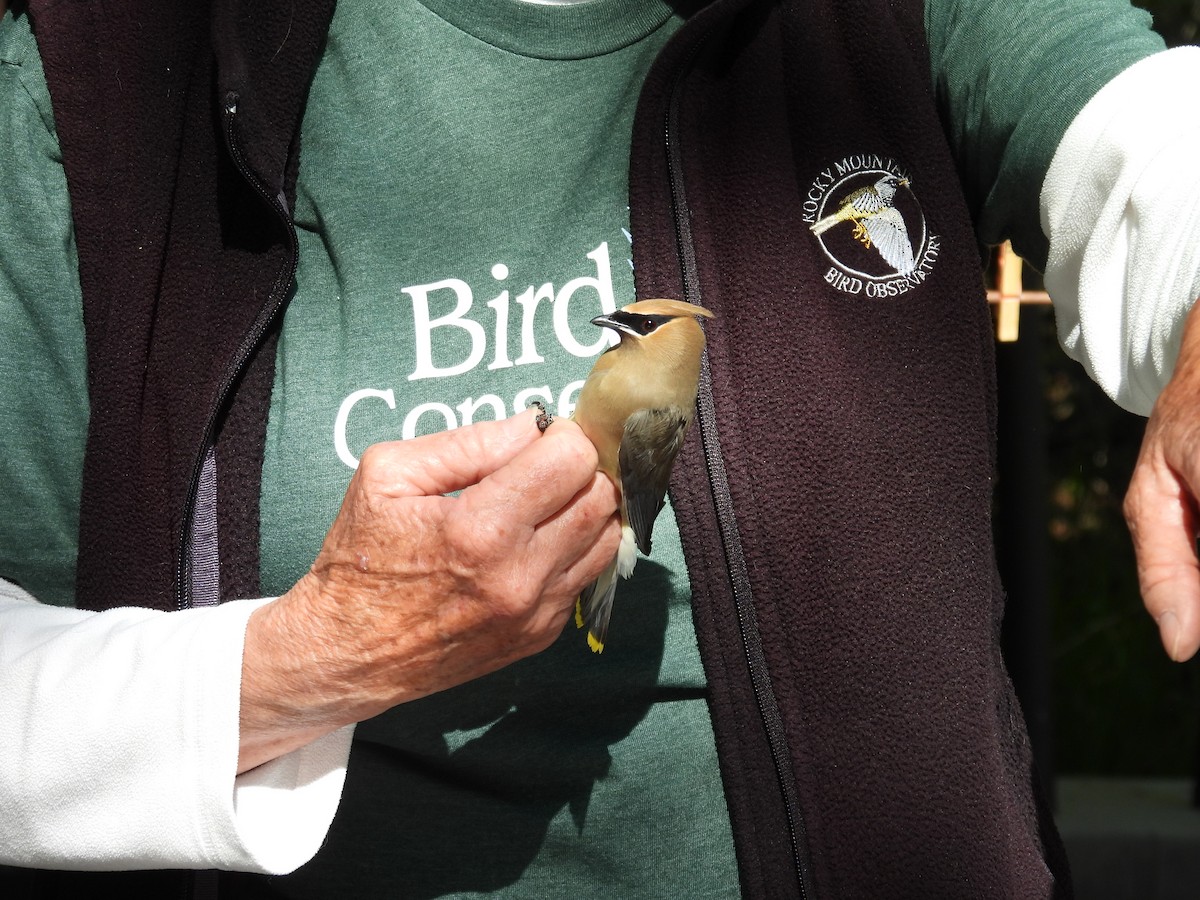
(1010, 75)
(43, 386)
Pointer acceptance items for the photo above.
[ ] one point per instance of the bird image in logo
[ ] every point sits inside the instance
(868, 223)
(877, 222)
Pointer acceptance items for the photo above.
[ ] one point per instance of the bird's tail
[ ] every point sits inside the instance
(593, 608)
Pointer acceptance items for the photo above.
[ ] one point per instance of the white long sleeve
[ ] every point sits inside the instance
(119, 746)
(1121, 207)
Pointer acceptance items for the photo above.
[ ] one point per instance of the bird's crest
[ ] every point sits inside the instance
(663, 307)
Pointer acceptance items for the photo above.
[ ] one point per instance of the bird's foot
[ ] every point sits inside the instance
(544, 419)
(860, 233)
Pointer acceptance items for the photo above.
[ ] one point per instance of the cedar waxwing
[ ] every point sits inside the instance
(635, 407)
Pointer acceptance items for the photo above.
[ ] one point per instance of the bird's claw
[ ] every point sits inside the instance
(544, 419)
(861, 234)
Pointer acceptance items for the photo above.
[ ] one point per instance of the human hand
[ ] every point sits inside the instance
(1161, 504)
(414, 592)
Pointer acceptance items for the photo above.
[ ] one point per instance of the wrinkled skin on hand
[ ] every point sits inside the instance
(1160, 506)
(414, 591)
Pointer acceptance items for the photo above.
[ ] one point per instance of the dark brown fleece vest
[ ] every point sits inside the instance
(184, 264)
(835, 509)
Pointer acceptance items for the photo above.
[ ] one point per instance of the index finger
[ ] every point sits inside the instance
(539, 481)
(448, 460)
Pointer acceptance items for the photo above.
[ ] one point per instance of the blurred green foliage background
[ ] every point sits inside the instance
(1119, 706)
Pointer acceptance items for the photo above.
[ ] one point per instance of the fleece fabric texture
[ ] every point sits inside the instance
(150, 348)
(855, 434)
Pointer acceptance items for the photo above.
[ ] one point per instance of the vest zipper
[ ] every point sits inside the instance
(743, 593)
(245, 349)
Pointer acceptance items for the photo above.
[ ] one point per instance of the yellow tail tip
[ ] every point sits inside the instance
(594, 642)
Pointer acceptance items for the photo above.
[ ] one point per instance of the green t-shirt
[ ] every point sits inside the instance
(461, 215)
(487, 148)
(43, 374)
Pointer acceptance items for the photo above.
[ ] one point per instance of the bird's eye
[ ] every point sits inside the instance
(648, 325)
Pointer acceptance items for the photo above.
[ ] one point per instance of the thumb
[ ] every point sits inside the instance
(1161, 514)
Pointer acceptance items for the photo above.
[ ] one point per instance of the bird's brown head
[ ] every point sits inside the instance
(655, 319)
(665, 333)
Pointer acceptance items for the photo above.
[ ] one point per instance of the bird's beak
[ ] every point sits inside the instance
(904, 182)
(609, 321)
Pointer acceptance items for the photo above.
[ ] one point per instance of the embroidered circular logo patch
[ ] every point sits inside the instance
(868, 222)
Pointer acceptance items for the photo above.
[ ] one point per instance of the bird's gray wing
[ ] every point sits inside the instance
(889, 234)
(649, 446)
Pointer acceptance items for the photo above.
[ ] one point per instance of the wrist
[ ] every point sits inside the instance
(288, 696)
